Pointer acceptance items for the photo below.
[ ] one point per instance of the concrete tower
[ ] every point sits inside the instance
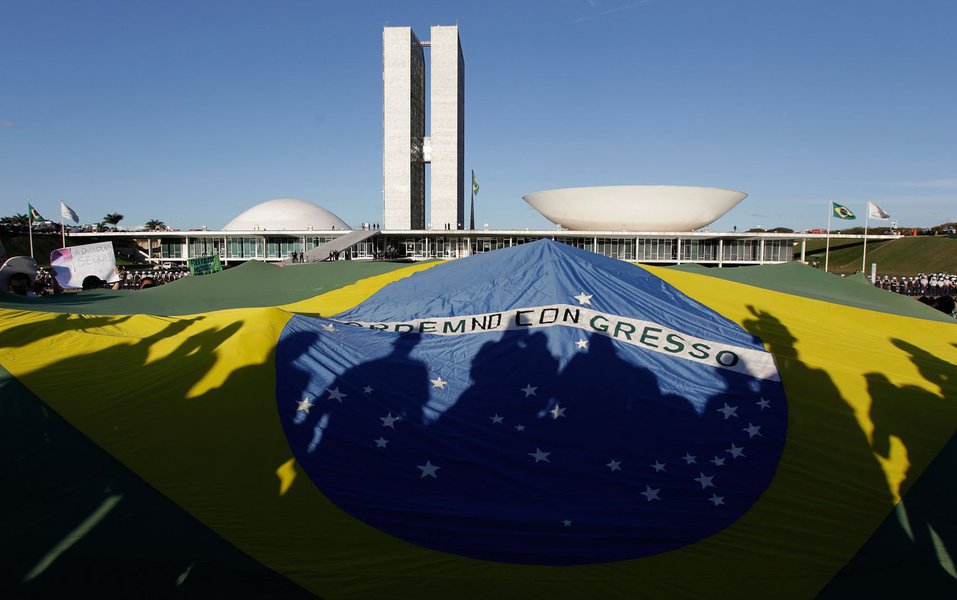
(406, 149)
(403, 129)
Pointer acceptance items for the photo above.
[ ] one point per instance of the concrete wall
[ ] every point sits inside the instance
(447, 129)
(403, 127)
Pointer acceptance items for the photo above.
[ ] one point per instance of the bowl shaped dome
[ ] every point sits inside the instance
(286, 214)
(634, 207)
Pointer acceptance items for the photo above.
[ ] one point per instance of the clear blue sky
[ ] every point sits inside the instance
(192, 111)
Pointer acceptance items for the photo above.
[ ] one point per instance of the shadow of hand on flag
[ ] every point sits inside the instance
(911, 429)
(35, 329)
(855, 478)
(120, 419)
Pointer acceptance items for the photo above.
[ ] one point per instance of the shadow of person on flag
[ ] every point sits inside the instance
(830, 481)
(920, 540)
(512, 377)
(89, 467)
(357, 425)
(35, 330)
(648, 421)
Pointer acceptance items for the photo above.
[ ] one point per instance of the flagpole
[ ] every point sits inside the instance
(472, 202)
(867, 217)
(827, 248)
(62, 227)
(30, 227)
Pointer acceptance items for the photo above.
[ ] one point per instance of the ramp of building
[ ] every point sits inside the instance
(325, 251)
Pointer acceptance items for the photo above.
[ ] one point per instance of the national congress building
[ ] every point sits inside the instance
(652, 224)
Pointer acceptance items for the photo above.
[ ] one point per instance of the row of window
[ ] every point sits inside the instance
(631, 249)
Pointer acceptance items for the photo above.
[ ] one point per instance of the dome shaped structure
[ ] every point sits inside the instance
(286, 214)
(634, 207)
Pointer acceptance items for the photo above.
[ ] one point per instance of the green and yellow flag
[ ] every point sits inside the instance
(842, 212)
(178, 438)
(34, 213)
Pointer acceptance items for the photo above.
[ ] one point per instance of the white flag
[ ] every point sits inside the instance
(876, 212)
(68, 213)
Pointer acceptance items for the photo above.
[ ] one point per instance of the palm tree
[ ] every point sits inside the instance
(17, 222)
(155, 225)
(113, 219)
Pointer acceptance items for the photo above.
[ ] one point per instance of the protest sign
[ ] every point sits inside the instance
(74, 264)
(204, 265)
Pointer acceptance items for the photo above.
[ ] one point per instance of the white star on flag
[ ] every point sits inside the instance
(651, 494)
(428, 470)
(705, 481)
(658, 466)
(330, 327)
(305, 405)
(583, 298)
(735, 451)
(529, 390)
(718, 462)
(716, 499)
(763, 403)
(539, 456)
(496, 419)
(688, 458)
(567, 523)
(519, 428)
(614, 465)
(557, 412)
(440, 383)
(389, 420)
(381, 442)
(368, 389)
(752, 430)
(582, 344)
(335, 394)
(728, 411)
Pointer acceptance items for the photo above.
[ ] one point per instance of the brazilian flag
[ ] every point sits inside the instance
(34, 214)
(534, 421)
(842, 212)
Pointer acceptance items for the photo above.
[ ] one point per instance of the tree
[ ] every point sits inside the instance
(18, 222)
(113, 219)
(155, 225)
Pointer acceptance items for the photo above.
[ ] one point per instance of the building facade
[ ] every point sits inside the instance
(705, 248)
(403, 129)
(406, 147)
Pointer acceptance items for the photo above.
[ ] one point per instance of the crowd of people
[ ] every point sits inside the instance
(931, 284)
(146, 278)
(933, 289)
(45, 283)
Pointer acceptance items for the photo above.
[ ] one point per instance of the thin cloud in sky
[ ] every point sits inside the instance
(8, 125)
(609, 11)
(945, 183)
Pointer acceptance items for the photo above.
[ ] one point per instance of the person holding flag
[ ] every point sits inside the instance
(841, 212)
(873, 212)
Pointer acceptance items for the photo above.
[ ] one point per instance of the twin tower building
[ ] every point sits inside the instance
(406, 147)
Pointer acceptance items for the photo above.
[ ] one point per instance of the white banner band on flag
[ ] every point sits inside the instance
(635, 332)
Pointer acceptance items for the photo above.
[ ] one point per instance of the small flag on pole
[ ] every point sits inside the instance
(842, 212)
(475, 185)
(34, 214)
(68, 213)
(876, 212)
